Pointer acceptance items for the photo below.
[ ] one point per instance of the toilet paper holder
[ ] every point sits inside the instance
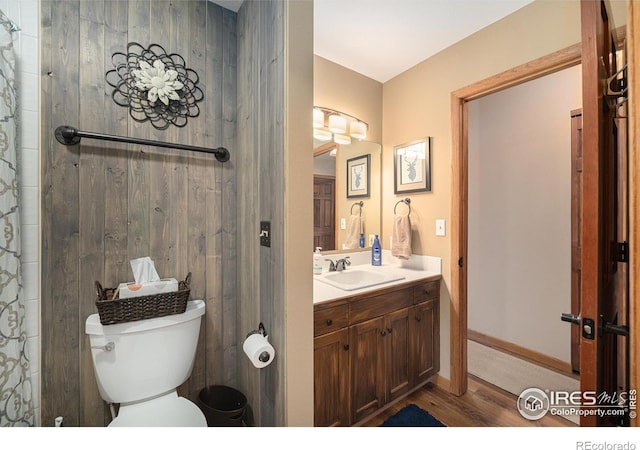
(264, 356)
(261, 330)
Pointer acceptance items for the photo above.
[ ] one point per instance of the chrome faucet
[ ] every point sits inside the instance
(339, 265)
(332, 265)
(342, 264)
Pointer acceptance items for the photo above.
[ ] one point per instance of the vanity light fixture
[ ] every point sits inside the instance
(342, 127)
(322, 135)
(318, 118)
(337, 124)
(358, 129)
(341, 139)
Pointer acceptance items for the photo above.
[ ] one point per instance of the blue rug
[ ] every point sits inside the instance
(412, 416)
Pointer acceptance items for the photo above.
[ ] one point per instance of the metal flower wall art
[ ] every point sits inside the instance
(155, 86)
(159, 83)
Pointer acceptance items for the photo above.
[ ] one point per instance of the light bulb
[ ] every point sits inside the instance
(318, 118)
(337, 124)
(358, 129)
(322, 135)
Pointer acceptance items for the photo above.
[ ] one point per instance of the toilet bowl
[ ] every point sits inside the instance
(140, 365)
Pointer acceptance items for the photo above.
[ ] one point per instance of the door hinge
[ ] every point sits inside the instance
(621, 252)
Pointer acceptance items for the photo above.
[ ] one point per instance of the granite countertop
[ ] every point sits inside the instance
(416, 268)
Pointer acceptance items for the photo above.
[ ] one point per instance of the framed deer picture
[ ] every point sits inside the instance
(358, 176)
(412, 166)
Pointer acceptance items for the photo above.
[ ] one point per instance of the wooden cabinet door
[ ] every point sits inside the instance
(397, 351)
(367, 368)
(331, 379)
(425, 339)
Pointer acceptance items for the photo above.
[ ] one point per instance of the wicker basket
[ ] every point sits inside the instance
(121, 310)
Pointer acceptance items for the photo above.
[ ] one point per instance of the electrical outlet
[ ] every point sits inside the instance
(343, 223)
(372, 237)
(265, 234)
(440, 227)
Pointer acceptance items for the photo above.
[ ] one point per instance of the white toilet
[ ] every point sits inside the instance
(140, 365)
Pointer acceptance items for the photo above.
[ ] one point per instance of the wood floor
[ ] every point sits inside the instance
(483, 405)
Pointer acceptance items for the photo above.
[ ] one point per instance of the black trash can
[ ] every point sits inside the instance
(223, 406)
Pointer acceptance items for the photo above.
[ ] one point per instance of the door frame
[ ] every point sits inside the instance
(537, 68)
(633, 52)
(549, 64)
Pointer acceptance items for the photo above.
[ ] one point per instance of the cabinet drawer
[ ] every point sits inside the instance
(330, 319)
(379, 305)
(426, 291)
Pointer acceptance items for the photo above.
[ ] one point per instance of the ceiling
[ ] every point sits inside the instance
(383, 38)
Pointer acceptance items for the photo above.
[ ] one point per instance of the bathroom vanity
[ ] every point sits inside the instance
(374, 345)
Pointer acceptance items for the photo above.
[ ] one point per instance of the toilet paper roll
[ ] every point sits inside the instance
(259, 351)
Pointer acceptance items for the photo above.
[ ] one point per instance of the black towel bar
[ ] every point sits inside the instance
(68, 135)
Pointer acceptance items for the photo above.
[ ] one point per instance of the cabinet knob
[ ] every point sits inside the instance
(329, 322)
(383, 333)
(346, 347)
(427, 292)
(389, 330)
(418, 318)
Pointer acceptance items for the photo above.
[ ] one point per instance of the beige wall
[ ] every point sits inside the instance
(519, 258)
(298, 283)
(370, 205)
(337, 87)
(417, 104)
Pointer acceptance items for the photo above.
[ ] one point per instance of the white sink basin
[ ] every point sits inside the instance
(349, 280)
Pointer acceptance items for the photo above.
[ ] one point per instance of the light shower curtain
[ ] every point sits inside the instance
(16, 402)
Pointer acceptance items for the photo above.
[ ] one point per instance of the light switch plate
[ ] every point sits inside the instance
(440, 227)
(265, 233)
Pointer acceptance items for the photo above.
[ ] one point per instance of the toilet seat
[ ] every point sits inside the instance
(168, 410)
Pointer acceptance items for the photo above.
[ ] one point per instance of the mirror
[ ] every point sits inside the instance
(332, 209)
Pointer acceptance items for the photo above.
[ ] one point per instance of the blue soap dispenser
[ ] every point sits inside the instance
(361, 243)
(376, 252)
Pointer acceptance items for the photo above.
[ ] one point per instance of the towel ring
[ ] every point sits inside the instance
(360, 204)
(406, 201)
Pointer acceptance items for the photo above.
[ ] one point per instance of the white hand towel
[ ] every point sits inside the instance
(401, 246)
(353, 232)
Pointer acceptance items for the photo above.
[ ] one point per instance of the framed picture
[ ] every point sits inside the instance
(412, 166)
(358, 176)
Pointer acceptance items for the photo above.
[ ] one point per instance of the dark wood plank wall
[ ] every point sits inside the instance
(271, 195)
(261, 95)
(106, 203)
(248, 174)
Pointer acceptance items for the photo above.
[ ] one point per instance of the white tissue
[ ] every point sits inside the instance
(128, 290)
(144, 270)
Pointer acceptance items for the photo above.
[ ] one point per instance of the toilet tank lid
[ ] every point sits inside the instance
(195, 309)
